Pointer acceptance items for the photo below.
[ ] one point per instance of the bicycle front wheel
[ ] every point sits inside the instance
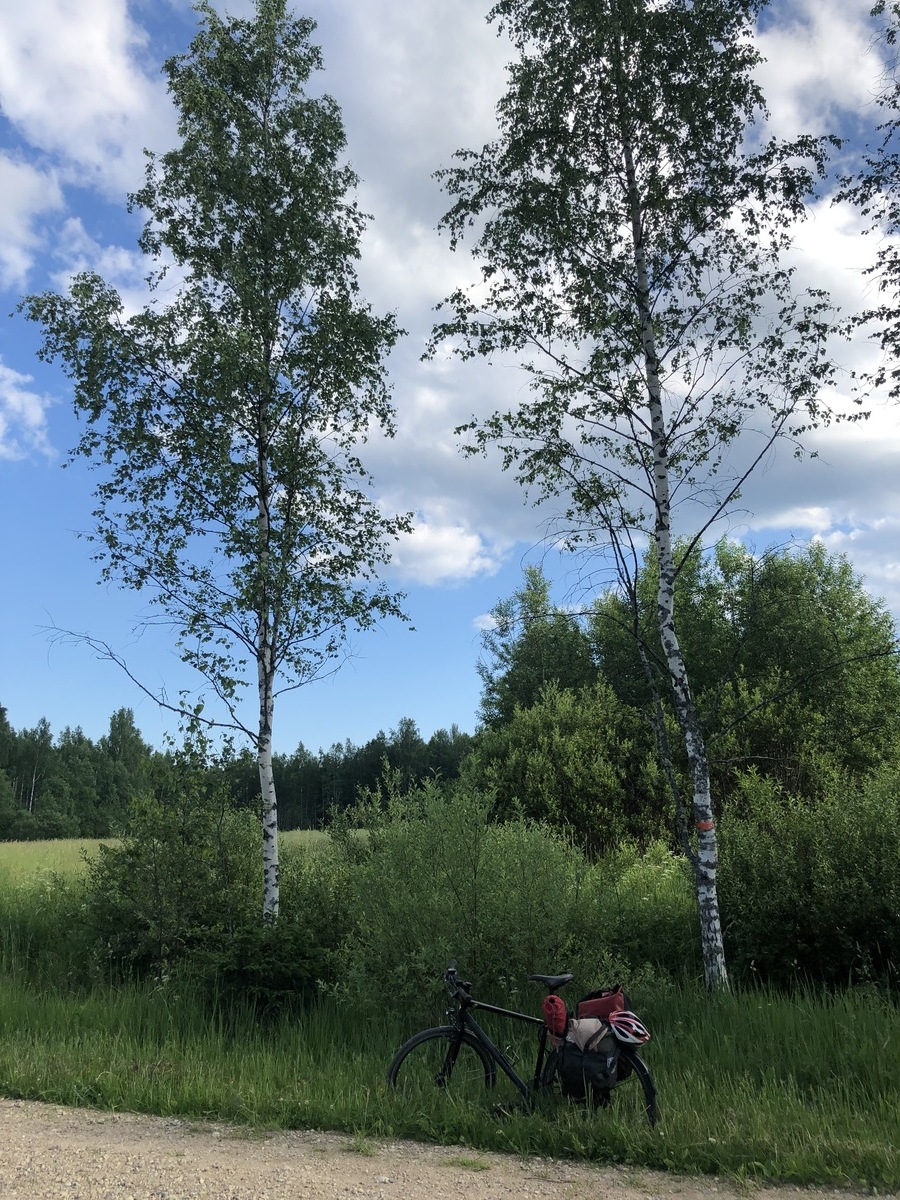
(443, 1058)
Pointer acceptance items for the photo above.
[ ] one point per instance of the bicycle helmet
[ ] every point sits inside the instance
(627, 1028)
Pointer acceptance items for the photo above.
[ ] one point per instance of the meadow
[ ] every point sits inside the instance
(756, 1084)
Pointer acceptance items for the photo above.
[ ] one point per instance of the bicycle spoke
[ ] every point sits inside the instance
(431, 1064)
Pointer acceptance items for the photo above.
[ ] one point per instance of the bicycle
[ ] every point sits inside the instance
(460, 1057)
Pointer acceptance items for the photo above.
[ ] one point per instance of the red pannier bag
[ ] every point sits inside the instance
(602, 1003)
(555, 1016)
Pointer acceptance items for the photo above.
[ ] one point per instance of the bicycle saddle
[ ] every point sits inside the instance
(552, 981)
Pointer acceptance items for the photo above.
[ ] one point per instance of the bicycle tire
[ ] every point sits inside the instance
(633, 1072)
(425, 1062)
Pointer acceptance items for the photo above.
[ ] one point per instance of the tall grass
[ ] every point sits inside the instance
(752, 1085)
(22, 862)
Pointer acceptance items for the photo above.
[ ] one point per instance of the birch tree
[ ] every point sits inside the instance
(875, 190)
(631, 238)
(225, 417)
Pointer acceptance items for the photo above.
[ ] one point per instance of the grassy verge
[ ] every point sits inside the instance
(752, 1086)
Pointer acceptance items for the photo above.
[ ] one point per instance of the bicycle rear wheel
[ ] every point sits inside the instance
(634, 1093)
(443, 1058)
(636, 1089)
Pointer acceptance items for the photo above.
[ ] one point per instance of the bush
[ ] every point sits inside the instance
(581, 761)
(435, 879)
(271, 968)
(643, 909)
(813, 890)
(186, 875)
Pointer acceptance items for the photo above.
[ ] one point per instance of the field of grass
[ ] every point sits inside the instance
(21, 861)
(752, 1085)
(755, 1087)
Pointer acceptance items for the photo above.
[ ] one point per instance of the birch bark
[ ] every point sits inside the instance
(705, 861)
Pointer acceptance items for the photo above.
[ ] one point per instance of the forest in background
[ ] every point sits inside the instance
(67, 785)
(798, 684)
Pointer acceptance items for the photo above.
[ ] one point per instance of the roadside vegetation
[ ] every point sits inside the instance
(793, 1082)
(135, 973)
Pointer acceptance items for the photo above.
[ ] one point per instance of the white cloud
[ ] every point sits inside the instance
(874, 549)
(809, 518)
(28, 193)
(484, 623)
(23, 421)
(821, 66)
(72, 84)
(124, 269)
(443, 553)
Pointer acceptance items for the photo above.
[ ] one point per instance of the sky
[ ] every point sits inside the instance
(81, 95)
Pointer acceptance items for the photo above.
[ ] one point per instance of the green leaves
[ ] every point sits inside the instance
(628, 245)
(226, 413)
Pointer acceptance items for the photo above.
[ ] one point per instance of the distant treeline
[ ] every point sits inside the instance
(795, 673)
(70, 786)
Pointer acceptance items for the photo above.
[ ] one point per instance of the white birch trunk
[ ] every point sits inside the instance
(265, 665)
(267, 791)
(705, 860)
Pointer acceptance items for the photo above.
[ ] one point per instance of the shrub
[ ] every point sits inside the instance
(435, 879)
(813, 890)
(186, 874)
(271, 968)
(581, 761)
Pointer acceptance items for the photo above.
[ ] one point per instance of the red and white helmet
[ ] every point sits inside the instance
(627, 1028)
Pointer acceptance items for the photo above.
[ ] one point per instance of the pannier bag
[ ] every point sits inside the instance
(555, 1016)
(588, 1060)
(602, 1003)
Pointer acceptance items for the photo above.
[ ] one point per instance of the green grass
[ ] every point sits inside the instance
(21, 862)
(294, 839)
(751, 1086)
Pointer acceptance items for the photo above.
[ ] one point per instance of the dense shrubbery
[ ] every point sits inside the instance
(811, 893)
(435, 878)
(579, 761)
(179, 898)
(812, 890)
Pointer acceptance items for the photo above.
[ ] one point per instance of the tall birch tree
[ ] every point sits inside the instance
(225, 417)
(875, 190)
(631, 240)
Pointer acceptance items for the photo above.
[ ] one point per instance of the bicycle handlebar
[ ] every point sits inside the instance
(456, 985)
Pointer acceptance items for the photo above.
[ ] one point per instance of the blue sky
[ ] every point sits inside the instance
(81, 94)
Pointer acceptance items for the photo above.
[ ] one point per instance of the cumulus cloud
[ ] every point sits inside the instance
(77, 251)
(440, 552)
(23, 417)
(73, 84)
(822, 66)
(29, 192)
(415, 83)
(872, 547)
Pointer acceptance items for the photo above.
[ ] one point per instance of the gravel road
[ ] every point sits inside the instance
(47, 1153)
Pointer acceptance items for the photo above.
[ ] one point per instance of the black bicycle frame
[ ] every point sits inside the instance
(465, 1020)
